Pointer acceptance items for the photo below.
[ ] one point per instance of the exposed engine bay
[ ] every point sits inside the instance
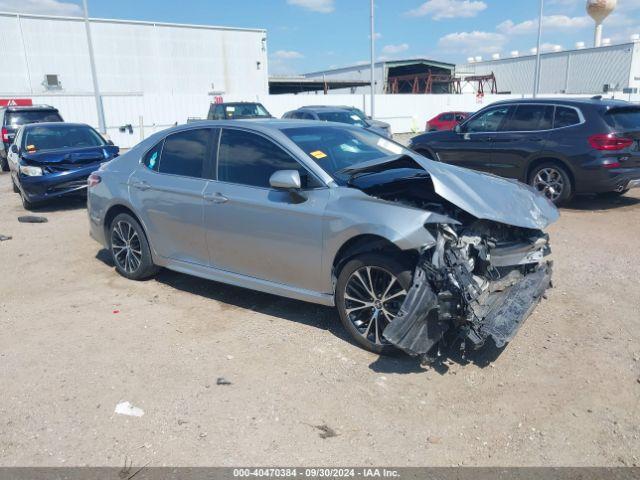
(479, 281)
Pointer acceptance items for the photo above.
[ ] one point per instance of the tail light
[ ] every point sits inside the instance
(5, 134)
(609, 142)
(93, 180)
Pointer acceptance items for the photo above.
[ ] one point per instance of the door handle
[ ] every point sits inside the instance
(215, 197)
(141, 185)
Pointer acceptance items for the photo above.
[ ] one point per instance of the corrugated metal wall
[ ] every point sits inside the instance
(573, 71)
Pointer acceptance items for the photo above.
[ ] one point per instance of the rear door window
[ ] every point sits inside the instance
(446, 117)
(565, 117)
(186, 153)
(529, 118)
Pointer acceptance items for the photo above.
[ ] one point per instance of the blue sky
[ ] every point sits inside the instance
(308, 35)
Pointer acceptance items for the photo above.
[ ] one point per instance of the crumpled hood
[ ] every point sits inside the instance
(72, 155)
(490, 197)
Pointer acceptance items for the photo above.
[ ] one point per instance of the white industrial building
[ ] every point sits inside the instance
(604, 69)
(149, 74)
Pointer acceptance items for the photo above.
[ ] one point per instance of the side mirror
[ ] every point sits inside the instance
(285, 180)
(457, 128)
(110, 142)
(14, 148)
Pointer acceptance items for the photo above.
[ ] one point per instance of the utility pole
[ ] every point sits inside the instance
(536, 81)
(96, 91)
(373, 78)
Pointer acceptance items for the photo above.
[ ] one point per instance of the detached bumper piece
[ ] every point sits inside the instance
(459, 294)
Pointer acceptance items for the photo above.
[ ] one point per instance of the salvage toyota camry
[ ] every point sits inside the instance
(411, 252)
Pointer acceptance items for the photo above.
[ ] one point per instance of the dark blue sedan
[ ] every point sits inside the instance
(50, 160)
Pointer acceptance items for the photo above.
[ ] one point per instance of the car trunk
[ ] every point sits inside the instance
(626, 122)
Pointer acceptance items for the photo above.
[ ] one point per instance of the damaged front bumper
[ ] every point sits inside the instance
(469, 288)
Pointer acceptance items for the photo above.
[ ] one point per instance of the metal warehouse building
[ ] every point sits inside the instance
(150, 75)
(611, 68)
(417, 75)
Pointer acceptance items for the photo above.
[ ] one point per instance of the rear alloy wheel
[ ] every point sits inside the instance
(370, 291)
(130, 249)
(553, 182)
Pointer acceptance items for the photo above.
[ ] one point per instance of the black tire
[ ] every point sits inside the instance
(355, 322)
(4, 164)
(559, 181)
(613, 194)
(14, 187)
(26, 204)
(129, 248)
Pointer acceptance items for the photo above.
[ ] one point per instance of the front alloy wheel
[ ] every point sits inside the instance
(371, 291)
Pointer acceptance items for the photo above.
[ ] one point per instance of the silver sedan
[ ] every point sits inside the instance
(412, 252)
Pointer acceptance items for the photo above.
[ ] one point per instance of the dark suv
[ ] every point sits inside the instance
(560, 147)
(12, 118)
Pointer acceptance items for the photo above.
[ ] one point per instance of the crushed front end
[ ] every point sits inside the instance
(480, 281)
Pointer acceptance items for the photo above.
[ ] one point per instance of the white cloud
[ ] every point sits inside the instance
(287, 54)
(551, 22)
(44, 7)
(394, 49)
(322, 6)
(473, 42)
(439, 9)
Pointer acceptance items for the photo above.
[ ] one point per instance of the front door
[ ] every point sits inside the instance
(166, 190)
(255, 230)
(472, 146)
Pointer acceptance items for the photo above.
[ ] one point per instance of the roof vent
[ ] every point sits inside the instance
(580, 45)
(515, 53)
(606, 42)
(471, 60)
(478, 58)
(495, 56)
(534, 51)
(635, 37)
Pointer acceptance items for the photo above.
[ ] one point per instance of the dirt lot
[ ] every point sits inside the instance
(77, 339)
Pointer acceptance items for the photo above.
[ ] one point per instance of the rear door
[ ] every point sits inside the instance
(166, 190)
(472, 147)
(522, 136)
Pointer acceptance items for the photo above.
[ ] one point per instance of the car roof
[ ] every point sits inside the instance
(265, 125)
(324, 109)
(238, 103)
(596, 101)
(57, 124)
(30, 107)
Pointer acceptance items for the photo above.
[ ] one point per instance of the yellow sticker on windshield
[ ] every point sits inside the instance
(318, 154)
(31, 148)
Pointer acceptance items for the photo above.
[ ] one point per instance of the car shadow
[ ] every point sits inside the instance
(595, 202)
(403, 364)
(75, 202)
(319, 316)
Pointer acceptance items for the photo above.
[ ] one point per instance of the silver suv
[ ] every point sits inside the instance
(410, 251)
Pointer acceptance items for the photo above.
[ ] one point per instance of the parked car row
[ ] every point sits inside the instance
(48, 158)
(560, 147)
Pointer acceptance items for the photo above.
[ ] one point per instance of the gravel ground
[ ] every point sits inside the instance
(77, 339)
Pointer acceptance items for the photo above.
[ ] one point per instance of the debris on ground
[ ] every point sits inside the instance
(4, 238)
(222, 381)
(325, 431)
(125, 408)
(32, 219)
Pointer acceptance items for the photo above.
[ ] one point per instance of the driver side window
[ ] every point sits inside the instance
(489, 121)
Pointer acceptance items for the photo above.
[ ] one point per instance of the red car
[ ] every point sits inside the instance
(446, 121)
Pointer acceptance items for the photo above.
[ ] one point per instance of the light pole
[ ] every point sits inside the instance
(373, 79)
(96, 91)
(536, 80)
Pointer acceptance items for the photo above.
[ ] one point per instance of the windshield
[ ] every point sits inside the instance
(16, 119)
(53, 137)
(245, 110)
(342, 117)
(336, 148)
(627, 119)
